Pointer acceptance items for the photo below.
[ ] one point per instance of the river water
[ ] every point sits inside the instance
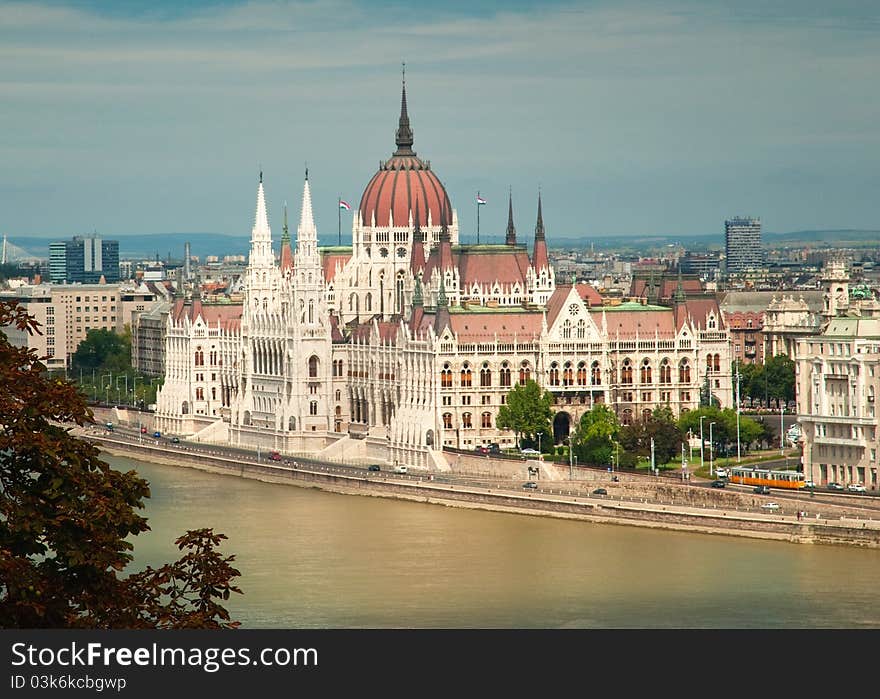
(311, 559)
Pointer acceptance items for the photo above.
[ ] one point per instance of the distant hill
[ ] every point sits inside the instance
(148, 246)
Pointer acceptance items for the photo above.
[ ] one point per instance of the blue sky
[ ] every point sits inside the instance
(632, 117)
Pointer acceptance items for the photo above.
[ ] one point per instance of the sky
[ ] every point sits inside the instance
(631, 117)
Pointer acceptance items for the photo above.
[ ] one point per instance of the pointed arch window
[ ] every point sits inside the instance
(581, 329)
(582, 374)
(645, 372)
(554, 374)
(684, 371)
(566, 329)
(485, 375)
(447, 421)
(525, 373)
(466, 376)
(595, 374)
(504, 374)
(567, 375)
(665, 372)
(626, 372)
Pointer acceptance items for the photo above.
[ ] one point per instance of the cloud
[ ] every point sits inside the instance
(650, 110)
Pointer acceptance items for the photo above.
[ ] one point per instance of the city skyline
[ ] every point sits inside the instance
(630, 119)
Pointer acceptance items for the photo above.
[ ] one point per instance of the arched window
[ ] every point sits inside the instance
(717, 362)
(646, 415)
(665, 372)
(311, 311)
(466, 376)
(582, 374)
(291, 424)
(313, 408)
(626, 372)
(213, 393)
(368, 303)
(446, 377)
(595, 374)
(485, 375)
(566, 329)
(645, 372)
(200, 356)
(505, 374)
(486, 420)
(708, 362)
(313, 367)
(684, 371)
(447, 421)
(627, 417)
(554, 374)
(525, 373)
(466, 421)
(567, 377)
(582, 329)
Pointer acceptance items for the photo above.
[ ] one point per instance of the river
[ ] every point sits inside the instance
(311, 559)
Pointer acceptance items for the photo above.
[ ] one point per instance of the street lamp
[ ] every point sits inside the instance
(738, 456)
(570, 459)
(702, 440)
(781, 430)
(711, 451)
(539, 445)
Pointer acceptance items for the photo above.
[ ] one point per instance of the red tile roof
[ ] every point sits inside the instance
(485, 327)
(329, 260)
(644, 323)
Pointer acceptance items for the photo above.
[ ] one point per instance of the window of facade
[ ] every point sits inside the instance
(447, 421)
(485, 375)
(486, 420)
(466, 376)
(466, 421)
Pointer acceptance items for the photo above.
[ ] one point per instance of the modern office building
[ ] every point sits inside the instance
(84, 260)
(742, 245)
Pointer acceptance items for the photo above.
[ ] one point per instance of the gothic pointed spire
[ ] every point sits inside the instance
(286, 252)
(417, 255)
(540, 260)
(261, 235)
(539, 226)
(511, 231)
(418, 299)
(404, 136)
(679, 296)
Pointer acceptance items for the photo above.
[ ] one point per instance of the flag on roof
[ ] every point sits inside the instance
(480, 200)
(344, 205)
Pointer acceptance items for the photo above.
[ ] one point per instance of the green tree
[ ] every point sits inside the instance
(527, 412)
(103, 350)
(662, 427)
(595, 436)
(66, 517)
(779, 372)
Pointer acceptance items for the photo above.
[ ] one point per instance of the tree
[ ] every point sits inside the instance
(595, 436)
(103, 350)
(662, 428)
(779, 372)
(66, 515)
(527, 412)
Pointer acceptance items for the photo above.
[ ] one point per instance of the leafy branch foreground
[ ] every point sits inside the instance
(65, 516)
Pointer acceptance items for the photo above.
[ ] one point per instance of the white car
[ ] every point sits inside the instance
(809, 484)
(772, 506)
(530, 452)
(856, 488)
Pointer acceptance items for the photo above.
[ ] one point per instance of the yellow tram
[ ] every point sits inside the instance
(747, 475)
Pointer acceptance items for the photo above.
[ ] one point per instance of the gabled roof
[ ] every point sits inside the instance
(486, 264)
(330, 257)
(227, 315)
(485, 326)
(631, 320)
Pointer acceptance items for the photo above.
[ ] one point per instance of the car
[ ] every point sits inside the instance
(762, 489)
(274, 456)
(530, 485)
(494, 448)
(480, 449)
(809, 484)
(600, 491)
(722, 473)
(856, 488)
(530, 452)
(719, 484)
(400, 469)
(834, 486)
(143, 430)
(157, 433)
(770, 506)
(374, 467)
(175, 440)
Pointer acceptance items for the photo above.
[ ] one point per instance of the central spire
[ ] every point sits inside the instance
(404, 138)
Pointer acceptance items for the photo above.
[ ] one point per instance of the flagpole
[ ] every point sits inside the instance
(478, 217)
(339, 220)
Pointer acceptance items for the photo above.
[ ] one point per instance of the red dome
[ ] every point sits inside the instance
(403, 185)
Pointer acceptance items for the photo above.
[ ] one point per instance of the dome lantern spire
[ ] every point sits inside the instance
(404, 136)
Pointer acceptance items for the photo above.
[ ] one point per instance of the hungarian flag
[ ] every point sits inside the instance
(480, 200)
(344, 205)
